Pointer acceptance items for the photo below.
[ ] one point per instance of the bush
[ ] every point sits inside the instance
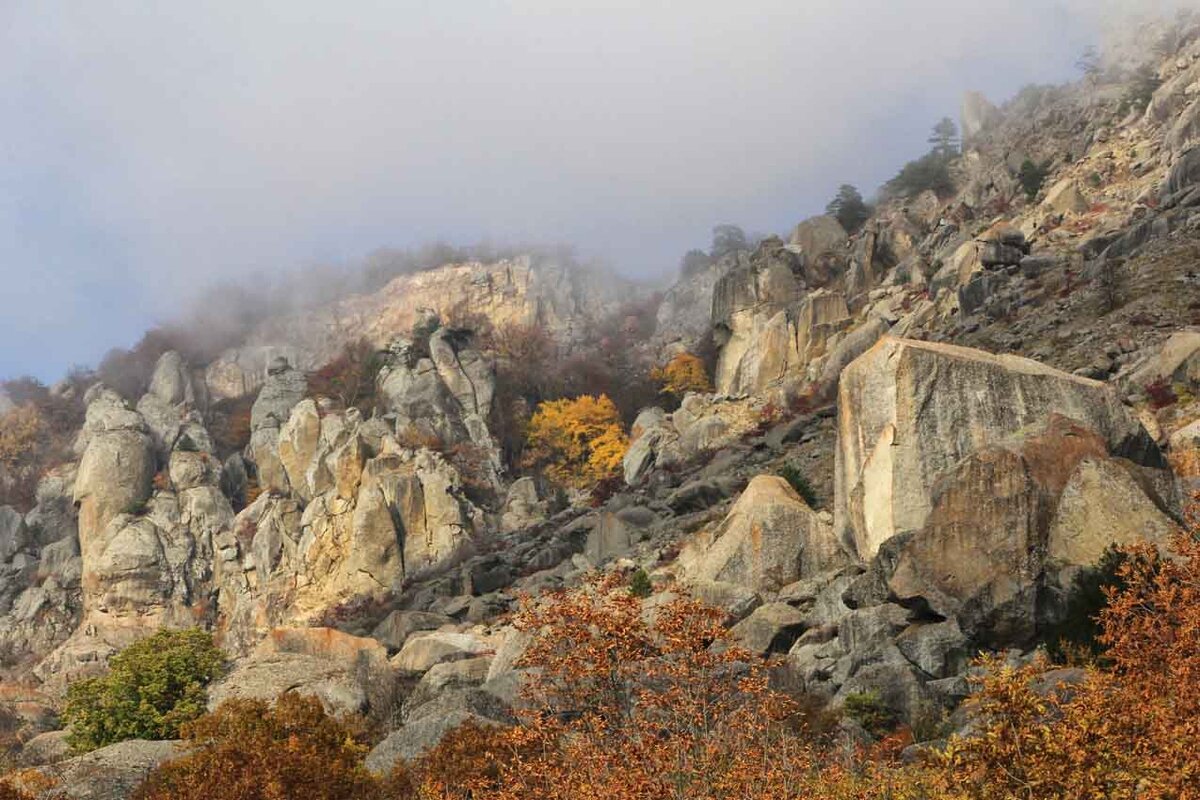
(578, 442)
(792, 474)
(152, 688)
(1032, 177)
(727, 240)
(682, 374)
(639, 584)
(929, 172)
(349, 379)
(249, 750)
(868, 710)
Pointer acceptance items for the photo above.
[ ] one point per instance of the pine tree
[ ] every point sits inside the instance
(849, 209)
(945, 138)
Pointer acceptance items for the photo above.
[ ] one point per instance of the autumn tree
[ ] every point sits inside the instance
(20, 431)
(578, 442)
(682, 374)
(1128, 729)
(251, 750)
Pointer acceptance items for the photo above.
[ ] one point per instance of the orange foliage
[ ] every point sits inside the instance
(247, 750)
(349, 379)
(1127, 731)
(579, 442)
(684, 373)
(20, 430)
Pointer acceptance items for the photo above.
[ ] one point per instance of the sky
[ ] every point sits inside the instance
(150, 150)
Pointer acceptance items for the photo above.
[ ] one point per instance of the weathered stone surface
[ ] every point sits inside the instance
(266, 676)
(172, 380)
(909, 411)
(397, 626)
(422, 650)
(1177, 361)
(771, 628)
(414, 739)
(283, 389)
(1065, 197)
(769, 539)
(110, 773)
(821, 241)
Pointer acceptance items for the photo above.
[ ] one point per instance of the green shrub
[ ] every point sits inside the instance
(792, 474)
(869, 710)
(1032, 176)
(152, 688)
(639, 584)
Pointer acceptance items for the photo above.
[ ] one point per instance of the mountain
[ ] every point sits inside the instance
(921, 435)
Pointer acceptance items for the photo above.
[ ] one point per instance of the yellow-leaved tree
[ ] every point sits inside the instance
(579, 442)
(682, 374)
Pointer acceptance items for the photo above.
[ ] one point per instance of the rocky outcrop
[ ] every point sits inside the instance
(959, 472)
(821, 244)
(283, 389)
(769, 539)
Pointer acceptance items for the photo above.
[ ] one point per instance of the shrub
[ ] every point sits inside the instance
(152, 688)
(249, 750)
(349, 379)
(694, 262)
(726, 240)
(1161, 394)
(229, 424)
(682, 374)
(579, 442)
(639, 583)
(1032, 177)
(792, 474)
(869, 710)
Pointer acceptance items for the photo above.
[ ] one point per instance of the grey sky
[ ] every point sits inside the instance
(150, 151)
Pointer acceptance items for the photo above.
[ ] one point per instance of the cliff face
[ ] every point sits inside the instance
(563, 301)
(973, 387)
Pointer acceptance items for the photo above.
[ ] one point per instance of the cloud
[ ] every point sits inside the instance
(150, 150)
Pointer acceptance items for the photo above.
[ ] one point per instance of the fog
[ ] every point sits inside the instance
(149, 152)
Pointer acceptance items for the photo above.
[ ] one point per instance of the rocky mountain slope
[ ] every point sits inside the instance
(983, 391)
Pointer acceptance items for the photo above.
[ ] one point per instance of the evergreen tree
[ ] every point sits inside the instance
(945, 138)
(849, 209)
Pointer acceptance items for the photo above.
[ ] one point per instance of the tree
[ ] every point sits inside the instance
(944, 138)
(579, 442)
(727, 239)
(152, 689)
(849, 209)
(694, 262)
(21, 430)
(682, 374)
(249, 750)
(929, 172)
(1089, 64)
(1032, 176)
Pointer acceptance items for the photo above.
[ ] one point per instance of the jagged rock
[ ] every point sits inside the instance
(769, 539)
(1065, 197)
(978, 115)
(684, 315)
(866, 633)
(299, 440)
(14, 536)
(975, 294)
(414, 739)
(422, 650)
(397, 626)
(109, 773)
(523, 506)
(822, 243)
(939, 649)
(171, 381)
(771, 628)
(45, 748)
(736, 601)
(1178, 360)
(447, 676)
(116, 468)
(908, 411)
(282, 390)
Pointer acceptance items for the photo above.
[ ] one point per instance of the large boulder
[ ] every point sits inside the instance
(909, 412)
(769, 539)
(974, 482)
(822, 242)
(117, 465)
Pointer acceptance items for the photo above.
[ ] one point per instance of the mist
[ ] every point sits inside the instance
(151, 153)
